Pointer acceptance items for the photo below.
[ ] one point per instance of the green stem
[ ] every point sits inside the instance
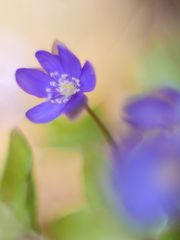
(104, 130)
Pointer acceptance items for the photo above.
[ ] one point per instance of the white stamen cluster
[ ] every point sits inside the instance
(62, 88)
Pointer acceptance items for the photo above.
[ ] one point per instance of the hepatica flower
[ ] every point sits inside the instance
(61, 83)
(146, 169)
(159, 109)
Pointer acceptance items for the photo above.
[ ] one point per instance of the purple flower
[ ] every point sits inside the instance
(145, 169)
(62, 84)
(159, 109)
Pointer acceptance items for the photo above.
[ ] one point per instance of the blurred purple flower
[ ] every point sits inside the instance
(62, 84)
(146, 167)
(159, 109)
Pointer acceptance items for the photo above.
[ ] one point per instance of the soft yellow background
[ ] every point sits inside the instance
(112, 34)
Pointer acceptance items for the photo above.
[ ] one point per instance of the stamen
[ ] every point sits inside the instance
(48, 90)
(55, 75)
(53, 84)
(63, 88)
(64, 76)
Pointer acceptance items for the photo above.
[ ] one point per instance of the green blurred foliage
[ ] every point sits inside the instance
(172, 233)
(17, 194)
(10, 228)
(95, 220)
(160, 65)
(88, 225)
(94, 170)
(73, 134)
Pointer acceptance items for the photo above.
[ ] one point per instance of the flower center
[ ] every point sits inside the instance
(67, 88)
(62, 88)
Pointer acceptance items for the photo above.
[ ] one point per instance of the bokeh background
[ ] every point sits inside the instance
(133, 46)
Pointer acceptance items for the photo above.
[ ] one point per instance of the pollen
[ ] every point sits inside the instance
(67, 88)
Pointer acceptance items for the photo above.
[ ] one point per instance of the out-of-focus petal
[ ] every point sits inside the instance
(138, 183)
(45, 112)
(169, 94)
(146, 182)
(51, 63)
(88, 77)
(173, 96)
(75, 106)
(33, 81)
(69, 61)
(149, 112)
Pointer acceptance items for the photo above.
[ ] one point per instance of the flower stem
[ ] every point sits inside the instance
(104, 130)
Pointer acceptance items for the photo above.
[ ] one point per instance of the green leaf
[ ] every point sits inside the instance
(31, 202)
(17, 188)
(10, 228)
(87, 225)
